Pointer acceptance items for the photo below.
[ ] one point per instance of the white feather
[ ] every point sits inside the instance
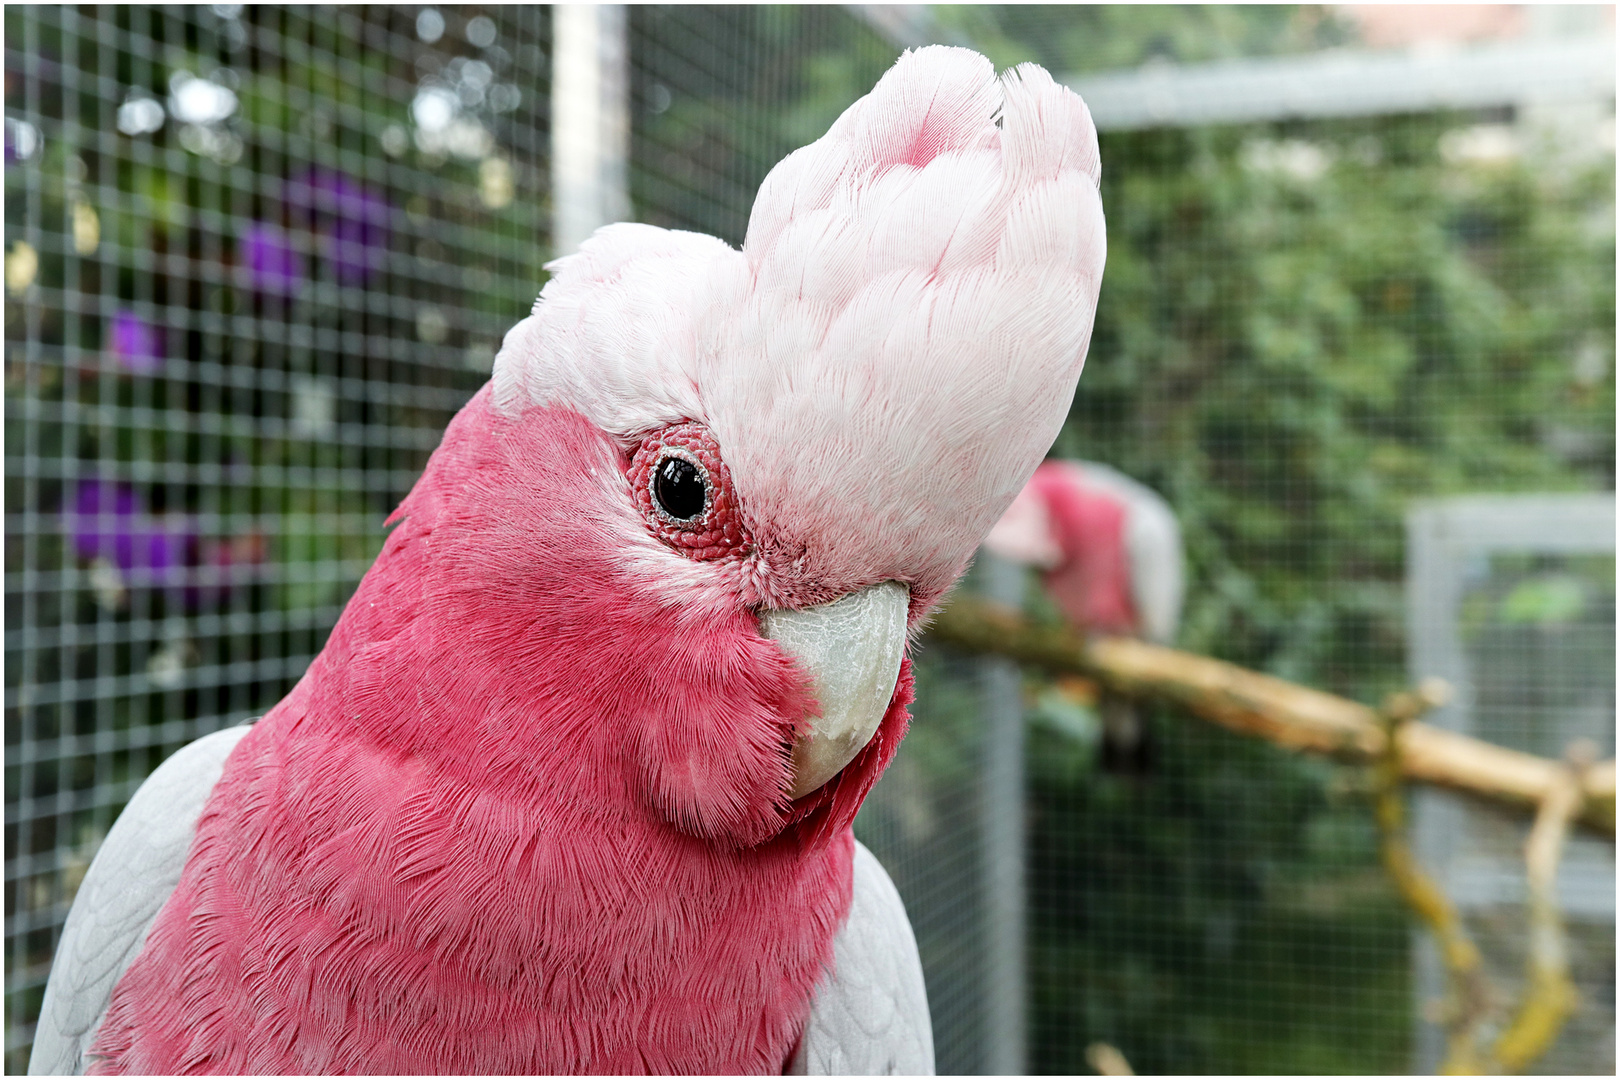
(870, 1013)
(893, 350)
(133, 875)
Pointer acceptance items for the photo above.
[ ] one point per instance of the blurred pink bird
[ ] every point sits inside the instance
(570, 787)
(1109, 552)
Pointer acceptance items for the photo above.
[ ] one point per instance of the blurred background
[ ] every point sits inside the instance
(1357, 329)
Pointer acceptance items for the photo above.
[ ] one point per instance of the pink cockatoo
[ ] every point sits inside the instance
(570, 787)
(1109, 552)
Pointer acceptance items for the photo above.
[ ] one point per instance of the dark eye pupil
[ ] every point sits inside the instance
(678, 487)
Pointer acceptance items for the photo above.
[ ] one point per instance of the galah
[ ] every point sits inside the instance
(570, 787)
(1109, 552)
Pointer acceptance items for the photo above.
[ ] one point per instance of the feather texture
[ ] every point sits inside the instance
(133, 874)
(910, 311)
(870, 1015)
(528, 810)
(477, 837)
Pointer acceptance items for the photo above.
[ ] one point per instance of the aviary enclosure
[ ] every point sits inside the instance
(1361, 338)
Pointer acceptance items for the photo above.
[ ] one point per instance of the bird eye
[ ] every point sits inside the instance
(679, 488)
(683, 490)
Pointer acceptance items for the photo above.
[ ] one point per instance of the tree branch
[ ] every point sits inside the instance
(1469, 995)
(1107, 1060)
(1549, 993)
(1292, 716)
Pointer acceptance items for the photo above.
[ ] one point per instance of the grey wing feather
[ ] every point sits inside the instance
(130, 879)
(870, 1013)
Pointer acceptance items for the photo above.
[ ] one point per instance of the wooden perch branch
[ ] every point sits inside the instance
(1549, 992)
(1282, 712)
(1469, 995)
(1107, 1060)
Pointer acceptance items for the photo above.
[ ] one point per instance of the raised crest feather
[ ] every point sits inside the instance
(923, 272)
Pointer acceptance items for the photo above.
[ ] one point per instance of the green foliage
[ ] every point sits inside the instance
(724, 93)
(1221, 914)
(1302, 328)
(274, 427)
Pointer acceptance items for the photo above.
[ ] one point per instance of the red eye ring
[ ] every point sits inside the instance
(717, 531)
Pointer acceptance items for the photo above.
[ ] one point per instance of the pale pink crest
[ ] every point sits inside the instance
(890, 354)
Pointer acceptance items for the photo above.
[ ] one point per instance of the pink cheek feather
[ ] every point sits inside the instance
(1093, 582)
(517, 818)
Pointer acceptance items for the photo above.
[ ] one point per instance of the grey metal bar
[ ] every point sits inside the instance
(1348, 83)
(1004, 887)
(1449, 544)
(590, 121)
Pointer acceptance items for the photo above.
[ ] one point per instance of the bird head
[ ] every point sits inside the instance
(815, 432)
(1109, 547)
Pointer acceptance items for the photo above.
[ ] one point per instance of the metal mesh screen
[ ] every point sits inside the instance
(1512, 600)
(257, 257)
(721, 94)
(1539, 638)
(1304, 325)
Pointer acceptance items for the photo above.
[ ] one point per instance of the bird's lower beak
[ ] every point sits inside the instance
(851, 649)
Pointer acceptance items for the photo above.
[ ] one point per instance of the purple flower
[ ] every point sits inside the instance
(107, 521)
(110, 523)
(274, 266)
(136, 345)
(351, 219)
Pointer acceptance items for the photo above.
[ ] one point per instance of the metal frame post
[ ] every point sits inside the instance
(590, 121)
(1003, 839)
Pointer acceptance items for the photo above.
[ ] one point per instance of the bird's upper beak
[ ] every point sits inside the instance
(851, 650)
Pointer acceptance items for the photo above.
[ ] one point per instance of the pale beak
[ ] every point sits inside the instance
(851, 650)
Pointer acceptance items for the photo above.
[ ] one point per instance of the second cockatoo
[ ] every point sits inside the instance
(1109, 552)
(570, 787)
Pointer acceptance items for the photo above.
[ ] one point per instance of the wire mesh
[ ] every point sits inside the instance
(256, 257)
(1512, 601)
(1303, 326)
(249, 281)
